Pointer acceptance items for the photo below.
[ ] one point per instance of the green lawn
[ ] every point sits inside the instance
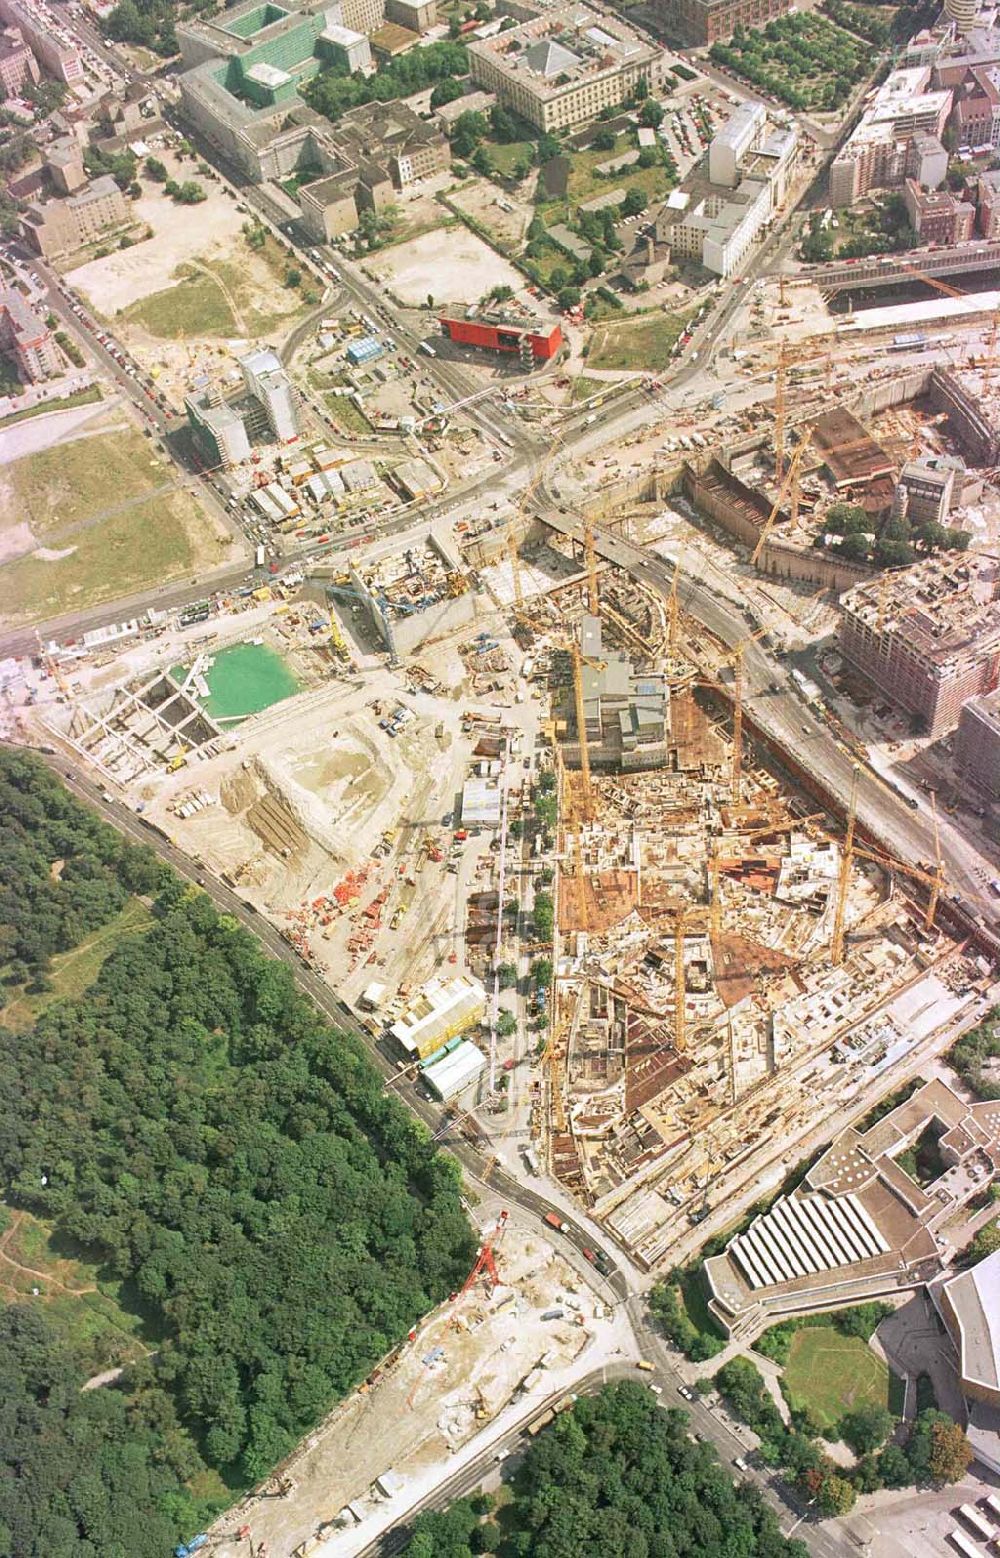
(642, 343)
(831, 1374)
(504, 158)
(346, 415)
(58, 487)
(38, 1266)
(223, 298)
(195, 305)
(84, 397)
(75, 971)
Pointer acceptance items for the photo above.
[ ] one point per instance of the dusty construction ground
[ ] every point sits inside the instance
(413, 271)
(420, 1413)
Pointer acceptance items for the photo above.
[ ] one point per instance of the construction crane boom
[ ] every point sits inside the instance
(790, 483)
(844, 879)
(737, 723)
(581, 730)
(680, 989)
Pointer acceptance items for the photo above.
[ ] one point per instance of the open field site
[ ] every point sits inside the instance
(92, 516)
(413, 271)
(830, 1374)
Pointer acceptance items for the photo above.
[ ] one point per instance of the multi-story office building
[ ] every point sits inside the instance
(563, 67)
(749, 165)
(928, 637)
(26, 338)
(59, 227)
(242, 94)
(697, 22)
(270, 386)
(977, 743)
(219, 429)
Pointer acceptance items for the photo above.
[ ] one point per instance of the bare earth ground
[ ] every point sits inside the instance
(421, 1414)
(413, 271)
(179, 233)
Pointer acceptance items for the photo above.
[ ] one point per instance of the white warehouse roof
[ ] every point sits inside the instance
(452, 1075)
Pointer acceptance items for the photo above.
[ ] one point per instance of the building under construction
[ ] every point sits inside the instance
(410, 596)
(626, 713)
(928, 636)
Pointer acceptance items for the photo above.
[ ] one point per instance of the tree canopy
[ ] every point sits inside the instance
(195, 1124)
(615, 1477)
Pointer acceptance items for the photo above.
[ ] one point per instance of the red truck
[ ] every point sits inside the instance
(556, 1222)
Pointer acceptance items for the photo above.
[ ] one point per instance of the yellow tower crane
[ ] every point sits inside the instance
(586, 796)
(844, 879)
(590, 552)
(680, 987)
(790, 484)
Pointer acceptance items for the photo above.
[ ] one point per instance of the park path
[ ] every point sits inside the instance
(17, 1219)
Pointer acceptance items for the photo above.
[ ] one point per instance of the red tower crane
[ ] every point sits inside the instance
(486, 1259)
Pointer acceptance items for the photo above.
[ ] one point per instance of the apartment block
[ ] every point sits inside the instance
(936, 216)
(26, 338)
(64, 165)
(697, 22)
(55, 58)
(988, 196)
(561, 68)
(416, 15)
(55, 228)
(17, 63)
(898, 136)
(928, 637)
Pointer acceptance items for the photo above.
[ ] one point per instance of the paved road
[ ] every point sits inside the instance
(708, 1423)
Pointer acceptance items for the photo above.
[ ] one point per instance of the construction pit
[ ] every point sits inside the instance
(728, 987)
(314, 778)
(490, 1357)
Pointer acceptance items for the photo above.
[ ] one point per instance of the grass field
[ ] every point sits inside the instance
(196, 305)
(831, 1374)
(150, 542)
(73, 972)
(222, 298)
(70, 482)
(37, 1266)
(643, 344)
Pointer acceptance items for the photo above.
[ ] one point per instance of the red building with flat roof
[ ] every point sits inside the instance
(492, 334)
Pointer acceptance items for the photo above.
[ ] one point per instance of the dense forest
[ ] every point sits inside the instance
(616, 1477)
(192, 1120)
